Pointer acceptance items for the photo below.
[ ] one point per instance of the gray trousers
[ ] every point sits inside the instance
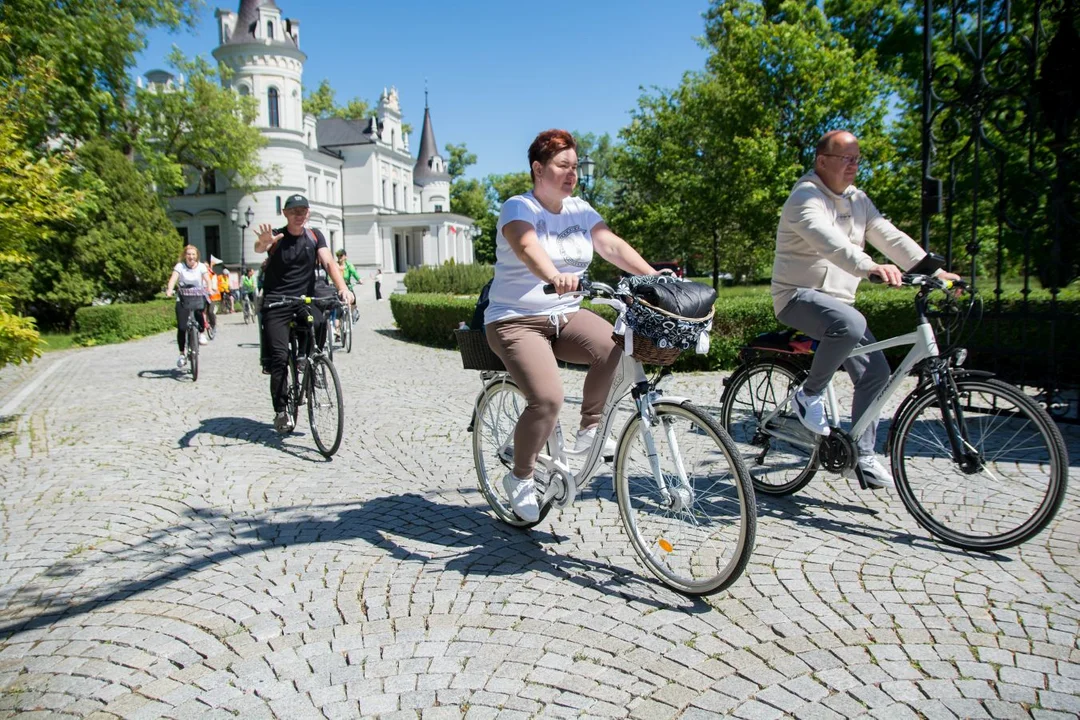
(839, 328)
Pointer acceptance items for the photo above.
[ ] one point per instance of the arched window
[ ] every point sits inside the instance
(243, 90)
(272, 102)
(270, 28)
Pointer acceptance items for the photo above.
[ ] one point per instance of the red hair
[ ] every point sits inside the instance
(547, 145)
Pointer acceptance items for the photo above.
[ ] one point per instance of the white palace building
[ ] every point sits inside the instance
(368, 193)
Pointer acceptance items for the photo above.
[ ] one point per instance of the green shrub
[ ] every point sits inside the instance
(450, 278)
(104, 324)
(431, 319)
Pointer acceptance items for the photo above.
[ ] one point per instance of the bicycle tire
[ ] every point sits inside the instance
(327, 403)
(754, 390)
(948, 510)
(193, 351)
(672, 532)
(498, 407)
(292, 401)
(347, 329)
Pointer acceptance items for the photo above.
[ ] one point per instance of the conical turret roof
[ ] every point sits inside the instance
(424, 173)
(246, 19)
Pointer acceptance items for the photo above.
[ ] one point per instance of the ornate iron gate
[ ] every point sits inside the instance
(1001, 139)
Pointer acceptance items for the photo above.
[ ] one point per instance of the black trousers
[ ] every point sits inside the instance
(378, 290)
(275, 345)
(182, 325)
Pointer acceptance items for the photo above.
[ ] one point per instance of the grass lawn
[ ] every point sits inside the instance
(57, 341)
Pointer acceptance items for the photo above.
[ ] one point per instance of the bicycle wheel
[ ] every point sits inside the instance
(497, 412)
(776, 467)
(247, 311)
(697, 534)
(193, 350)
(347, 330)
(1014, 481)
(325, 405)
(292, 403)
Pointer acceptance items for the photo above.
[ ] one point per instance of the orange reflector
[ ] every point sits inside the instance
(665, 545)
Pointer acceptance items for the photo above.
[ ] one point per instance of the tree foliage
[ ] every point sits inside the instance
(320, 103)
(458, 160)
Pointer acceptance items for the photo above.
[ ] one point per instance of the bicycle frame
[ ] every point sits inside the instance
(924, 345)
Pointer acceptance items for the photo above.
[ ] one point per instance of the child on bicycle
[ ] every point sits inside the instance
(548, 236)
(820, 258)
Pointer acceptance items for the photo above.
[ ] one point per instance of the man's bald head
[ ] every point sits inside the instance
(832, 139)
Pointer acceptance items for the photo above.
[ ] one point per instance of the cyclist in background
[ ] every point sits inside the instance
(226, 292)
(192, 273)
(352, 278)
(820, 258)
(215, 298)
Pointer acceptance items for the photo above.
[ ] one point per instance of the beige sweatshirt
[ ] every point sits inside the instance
(820, 241)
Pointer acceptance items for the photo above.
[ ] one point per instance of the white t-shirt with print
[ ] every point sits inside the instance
(567, 238)
(191, 275)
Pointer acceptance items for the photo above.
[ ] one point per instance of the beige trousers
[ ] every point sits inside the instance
(529, 348)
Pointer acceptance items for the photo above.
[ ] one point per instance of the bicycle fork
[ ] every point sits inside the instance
(673, 500)
(964, 453)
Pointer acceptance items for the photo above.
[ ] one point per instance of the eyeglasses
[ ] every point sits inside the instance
(848, 159)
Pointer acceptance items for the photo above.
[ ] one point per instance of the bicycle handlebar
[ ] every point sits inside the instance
(918, 280)
(586, 288)
(290, 300)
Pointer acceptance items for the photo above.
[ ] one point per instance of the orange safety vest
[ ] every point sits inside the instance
(215, 294)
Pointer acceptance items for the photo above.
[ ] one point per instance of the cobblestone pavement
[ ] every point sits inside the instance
(165, 554)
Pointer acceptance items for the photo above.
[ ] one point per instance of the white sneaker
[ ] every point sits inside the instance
(585, 440)
(202, 339)
(874, 474)
(181, 361)
(810, 410)
(522, 497)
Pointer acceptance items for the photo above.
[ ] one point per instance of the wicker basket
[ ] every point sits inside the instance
(647, 352)
(476, 354)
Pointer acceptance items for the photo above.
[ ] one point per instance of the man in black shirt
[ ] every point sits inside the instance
(294, 251)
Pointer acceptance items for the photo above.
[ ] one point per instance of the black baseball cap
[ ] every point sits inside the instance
(296, 201)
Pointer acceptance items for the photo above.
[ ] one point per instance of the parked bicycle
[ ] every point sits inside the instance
(249, 309)
(313, 379)
(976, 461)
(193, 298)
(684, 495)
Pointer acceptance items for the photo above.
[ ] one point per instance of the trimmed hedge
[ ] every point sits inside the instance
(449, 278)
(105, 324)
(430, 319)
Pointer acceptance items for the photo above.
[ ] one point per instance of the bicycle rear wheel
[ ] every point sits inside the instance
(776, 467)
(497, 411)
(193, 350)
(1015, 472)
(697, 533)
(326, 405)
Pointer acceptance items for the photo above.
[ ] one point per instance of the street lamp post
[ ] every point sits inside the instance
(474, 233)
(249, 214)
(585, 169)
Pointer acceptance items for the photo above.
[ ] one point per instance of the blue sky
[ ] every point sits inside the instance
(497, 72)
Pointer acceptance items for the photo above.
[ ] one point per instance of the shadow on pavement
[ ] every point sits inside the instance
(246, 430)
(410, 528)
(178, 374)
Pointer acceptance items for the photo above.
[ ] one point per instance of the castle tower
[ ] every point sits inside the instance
(429, 174)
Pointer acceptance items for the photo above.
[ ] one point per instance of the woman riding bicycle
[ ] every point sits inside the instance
(189, 272)
(547, 236)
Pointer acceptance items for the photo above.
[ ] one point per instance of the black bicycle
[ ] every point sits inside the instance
(313, 379)
(193, 298)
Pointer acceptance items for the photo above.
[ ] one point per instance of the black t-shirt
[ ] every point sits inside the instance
(291, 270)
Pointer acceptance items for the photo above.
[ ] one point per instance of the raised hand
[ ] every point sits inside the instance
(267, 238)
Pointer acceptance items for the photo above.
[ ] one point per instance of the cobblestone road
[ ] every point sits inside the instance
(165, 554)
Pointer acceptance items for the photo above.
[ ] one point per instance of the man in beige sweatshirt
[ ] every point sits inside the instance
(820, 259)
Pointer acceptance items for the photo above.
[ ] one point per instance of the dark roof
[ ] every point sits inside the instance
(423, 174)
(334, 132)
(247, 16)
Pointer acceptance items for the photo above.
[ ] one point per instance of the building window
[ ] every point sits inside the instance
(272, 103)
(209, 182)
(438, 207)
(395, 197)
(332, 236)
(278, 204)
(385, 197)
(270, 28)
(243, 90)
(212, 234)
(183, 234)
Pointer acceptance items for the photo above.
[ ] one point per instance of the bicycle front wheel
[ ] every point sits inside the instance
(755, 390)
(694, 525)
(497, 411)
(1012, 477)
(193, 351)
(347, 329)
(326, 405)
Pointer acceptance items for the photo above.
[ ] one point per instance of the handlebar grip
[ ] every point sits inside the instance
(875, 279)
(549, 289)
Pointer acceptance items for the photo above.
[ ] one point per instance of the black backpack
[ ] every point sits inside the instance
(477, 322)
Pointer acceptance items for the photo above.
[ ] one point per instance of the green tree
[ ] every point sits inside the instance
(320, 103)
(202, 126)
(33, 196)
(458, 160)
(121, 250)
(92, 46)
(603, 186)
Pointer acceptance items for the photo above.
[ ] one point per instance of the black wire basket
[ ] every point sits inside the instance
(476, 354)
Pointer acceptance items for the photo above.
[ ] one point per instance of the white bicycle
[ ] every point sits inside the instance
(976, 461)
(684, 495)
